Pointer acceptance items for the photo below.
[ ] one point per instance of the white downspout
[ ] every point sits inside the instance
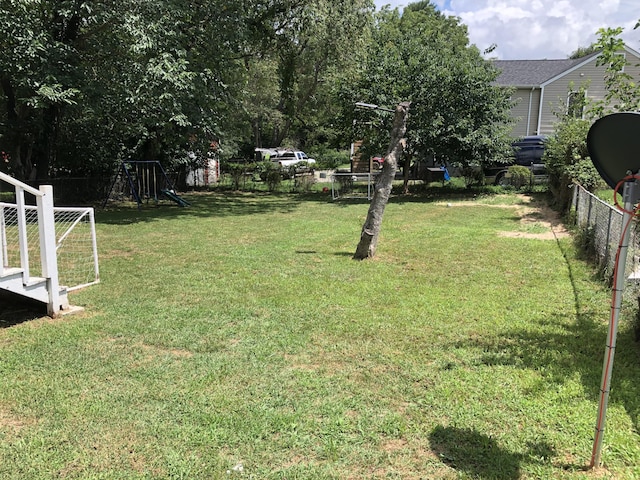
(540, 110)
(529, 111)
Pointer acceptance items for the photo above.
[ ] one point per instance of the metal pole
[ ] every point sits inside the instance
(630, 198)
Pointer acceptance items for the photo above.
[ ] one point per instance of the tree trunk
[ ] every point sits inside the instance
(407, 173)
(371, 228)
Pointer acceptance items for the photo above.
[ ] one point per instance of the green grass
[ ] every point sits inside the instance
(237, 339)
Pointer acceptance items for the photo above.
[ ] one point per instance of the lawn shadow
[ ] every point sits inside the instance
(474, 453)
(203, 205)
(561, 349)
(240, 203)
(15, 309)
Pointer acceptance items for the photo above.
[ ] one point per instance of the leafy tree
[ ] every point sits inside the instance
(457, 114)
(315, 44)
(623, 92)
(38, 76)
(566, 154)
(86, 83)
(581, 52)
(567, 159)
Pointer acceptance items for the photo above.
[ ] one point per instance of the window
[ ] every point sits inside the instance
(575, 104)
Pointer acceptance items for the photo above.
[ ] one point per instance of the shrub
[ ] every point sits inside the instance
(473, 175)
(567, 159)
(238, 172)
(304, 183)
(329, 159)
(519, 176)
(272, 176)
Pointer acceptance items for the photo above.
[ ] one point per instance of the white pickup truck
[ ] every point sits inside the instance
(287, 158)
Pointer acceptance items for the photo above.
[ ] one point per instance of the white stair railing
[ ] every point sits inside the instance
(46, 238)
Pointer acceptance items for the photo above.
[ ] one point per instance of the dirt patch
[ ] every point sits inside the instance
(11, 423)
(540, 216)
(537, 220)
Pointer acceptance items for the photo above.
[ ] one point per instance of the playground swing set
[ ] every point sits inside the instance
(143, 181)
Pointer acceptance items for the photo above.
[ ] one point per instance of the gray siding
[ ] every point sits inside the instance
(555, 93)
(525, 111)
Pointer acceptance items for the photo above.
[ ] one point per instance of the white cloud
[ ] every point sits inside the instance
(533, 29)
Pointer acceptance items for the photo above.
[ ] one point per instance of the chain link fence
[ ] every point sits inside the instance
(601, 229)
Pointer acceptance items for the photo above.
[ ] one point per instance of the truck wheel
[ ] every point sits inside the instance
(501, 179)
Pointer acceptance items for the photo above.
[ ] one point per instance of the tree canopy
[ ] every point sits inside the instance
(87, 84)
(423, 56)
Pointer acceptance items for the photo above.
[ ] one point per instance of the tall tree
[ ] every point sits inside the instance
(371, 229)
(87, 82)
(424, 56)
(38, 75)
(320, 40)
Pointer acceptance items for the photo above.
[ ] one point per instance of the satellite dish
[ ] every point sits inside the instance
(614, 145)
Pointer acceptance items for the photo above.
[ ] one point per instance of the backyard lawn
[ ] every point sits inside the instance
(236, 338)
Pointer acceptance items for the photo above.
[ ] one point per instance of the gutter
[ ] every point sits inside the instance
(540, 109)
(529, 110)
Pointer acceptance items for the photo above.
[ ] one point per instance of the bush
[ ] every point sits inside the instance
(329, 159)
(519, 176)
(237, 171)
(272, 176)
(567, 159)
(473, 175)
(304, 183)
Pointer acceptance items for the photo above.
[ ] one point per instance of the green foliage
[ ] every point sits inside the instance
(623, 92)
(87, 85)
(304, 183)
(271, 174)
(581, 52)
(519, 176)
(273, 178)
(316, 44)
(584, 173)
(238, 172)
(472, 174)
(566, 155)
(423, 56)
(567, 159)
(328, 158)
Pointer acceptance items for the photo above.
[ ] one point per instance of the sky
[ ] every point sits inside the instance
(538, 29)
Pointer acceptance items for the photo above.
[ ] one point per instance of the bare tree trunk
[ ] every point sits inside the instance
(407, 172)
(371, 228)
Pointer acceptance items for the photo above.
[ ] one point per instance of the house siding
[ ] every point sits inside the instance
(550, 97)
(556, 93)
(589, 76)
(525, 111)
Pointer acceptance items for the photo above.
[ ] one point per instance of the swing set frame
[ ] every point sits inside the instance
(146, 180)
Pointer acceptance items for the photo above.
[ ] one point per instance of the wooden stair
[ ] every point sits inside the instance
(36, 288)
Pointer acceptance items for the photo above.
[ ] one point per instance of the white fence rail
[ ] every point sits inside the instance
(46, 245)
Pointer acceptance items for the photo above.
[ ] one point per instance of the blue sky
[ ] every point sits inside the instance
(536, 29)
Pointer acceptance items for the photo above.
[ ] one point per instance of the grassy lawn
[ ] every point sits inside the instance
(236, 338)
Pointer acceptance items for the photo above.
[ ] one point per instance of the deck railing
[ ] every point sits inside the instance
(46, 239)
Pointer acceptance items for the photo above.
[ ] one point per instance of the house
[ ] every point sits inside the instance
(544, 88)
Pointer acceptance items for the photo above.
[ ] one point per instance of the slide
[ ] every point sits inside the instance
(172, 196)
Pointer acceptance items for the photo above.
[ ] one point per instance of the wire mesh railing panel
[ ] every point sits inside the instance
(11, 238)
(352, 185)
(75, 246)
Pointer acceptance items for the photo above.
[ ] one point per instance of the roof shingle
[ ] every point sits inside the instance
(531, 73)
